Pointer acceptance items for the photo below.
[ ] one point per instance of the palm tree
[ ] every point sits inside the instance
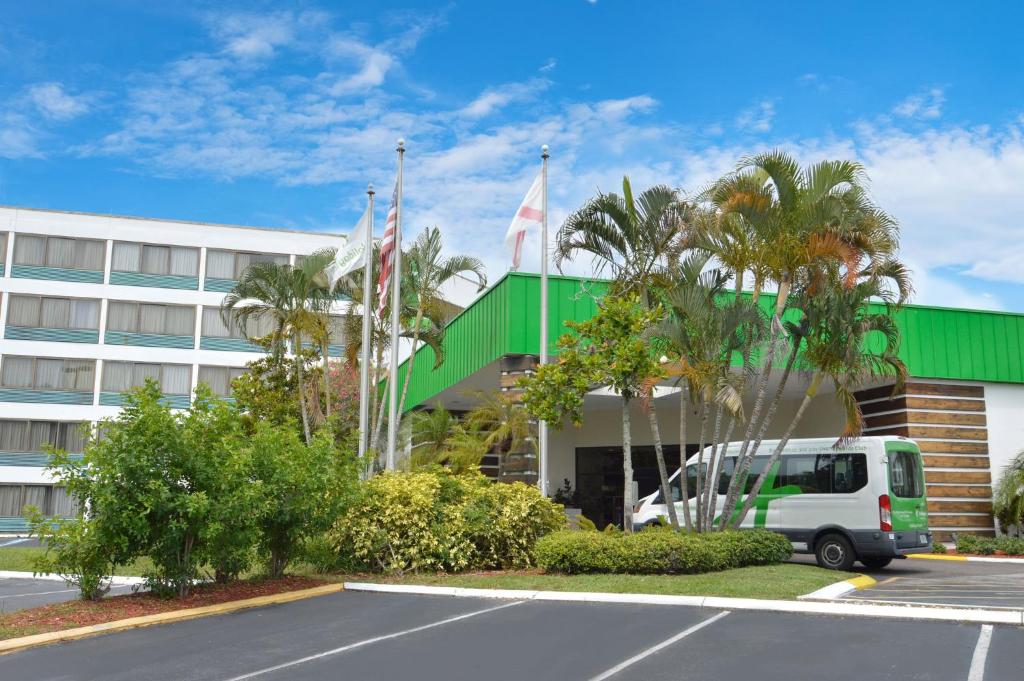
(804, 222)
(292, 298)
(701, 335)
(841, 328)
(505, 423)
(427, 272)
(638, 240)
(440, 439)
(1008, 497)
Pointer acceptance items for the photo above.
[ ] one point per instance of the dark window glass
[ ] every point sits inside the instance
(905, 471)
(809, 472)
(849, 473)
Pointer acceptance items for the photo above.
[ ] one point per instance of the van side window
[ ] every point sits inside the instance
(906, 477)
(823, 473)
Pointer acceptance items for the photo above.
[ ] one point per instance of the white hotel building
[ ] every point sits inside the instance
(92, 305)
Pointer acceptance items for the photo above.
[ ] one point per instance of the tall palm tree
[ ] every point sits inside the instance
(440, 439)
(842, 334)
(638, 240)
(292, 298)
(427, 272)
(504, 423)
(807, 222)
(700, 336)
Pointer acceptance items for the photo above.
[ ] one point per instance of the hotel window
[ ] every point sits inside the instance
(148, 259)
(32, 436)
(174, 379)
(214, 326)
(3, 250)
(49, 499)
(336, 329)
(59, 251)
(53, 313)
(167, 320)
(46, 373)
(219, 378)
(230, 265)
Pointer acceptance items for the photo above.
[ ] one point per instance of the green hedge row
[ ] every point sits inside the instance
(659, 551)
(968, 543)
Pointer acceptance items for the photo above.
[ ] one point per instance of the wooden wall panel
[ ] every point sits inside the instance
(943, 506)
(949, 424)
(974, 491)
(947, 535)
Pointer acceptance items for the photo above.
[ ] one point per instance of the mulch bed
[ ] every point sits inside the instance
(71, 614)
(997, 554)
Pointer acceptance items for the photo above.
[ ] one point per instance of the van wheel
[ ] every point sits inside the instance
(875, 563)
(834, 552)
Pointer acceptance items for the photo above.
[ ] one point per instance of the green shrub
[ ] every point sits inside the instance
(659, 551)
(938, 547)
(74, 551)
(986, 546)
(435, 520)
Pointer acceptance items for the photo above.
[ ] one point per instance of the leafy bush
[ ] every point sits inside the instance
(938, 547)
(73, 551)
(659, 551)
(439, 521)
(986, 546)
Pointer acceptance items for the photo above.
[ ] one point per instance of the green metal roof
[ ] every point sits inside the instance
(937, 342)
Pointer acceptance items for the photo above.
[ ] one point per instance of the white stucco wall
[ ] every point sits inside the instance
(603, 427)
(1004, 404)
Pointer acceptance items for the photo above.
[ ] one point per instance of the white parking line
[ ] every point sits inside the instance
(370, 641)
(977, 672)
(13, 542)
(38, 593)
(653, 649)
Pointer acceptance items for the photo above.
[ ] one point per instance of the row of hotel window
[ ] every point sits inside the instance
(79, 375)
(43, 312)
(131, 257)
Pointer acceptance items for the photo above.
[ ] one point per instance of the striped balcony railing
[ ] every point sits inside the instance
(155, 280)
(222, 285)
(149, 340)
(2, 269)
(332, 350)
(45, 396)
(52, 335)
(31, 459)
(111, 399)
(227, 344)
(57, 273)
(13, 525)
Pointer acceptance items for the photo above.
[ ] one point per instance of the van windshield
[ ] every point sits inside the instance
(906, 477)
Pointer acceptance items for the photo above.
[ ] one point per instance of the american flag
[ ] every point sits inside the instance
(387, 250)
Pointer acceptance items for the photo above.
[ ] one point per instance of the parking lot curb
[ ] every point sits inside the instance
(969, 559)
(114, 581)
(839, 589)
(15, 644)
(834, 608)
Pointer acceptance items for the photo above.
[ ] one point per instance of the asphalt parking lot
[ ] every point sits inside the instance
(19, 593)
(19, 541)
(364, 637)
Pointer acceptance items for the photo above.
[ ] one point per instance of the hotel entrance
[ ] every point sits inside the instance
(599, 480)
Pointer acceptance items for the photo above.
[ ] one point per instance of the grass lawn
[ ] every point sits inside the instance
(784, 581)
(20, 559)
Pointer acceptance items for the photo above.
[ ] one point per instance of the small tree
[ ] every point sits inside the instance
(611, 350)
(302, 487)
(75, 551)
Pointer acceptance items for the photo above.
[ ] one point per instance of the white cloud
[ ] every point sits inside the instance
(496, 98)
(925, 105)
(758, 118)
(372, 63)
(18, 139)
(248, 36)
(55, 103)
(550, 65)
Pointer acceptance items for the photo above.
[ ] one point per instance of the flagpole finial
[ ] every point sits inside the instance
(544, 151)
(401, 143)
(369, 188)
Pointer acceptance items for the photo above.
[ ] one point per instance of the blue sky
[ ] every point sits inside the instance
(278, 114)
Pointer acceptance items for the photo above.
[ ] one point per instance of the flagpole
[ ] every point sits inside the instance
(542, 427)
(396, 274)
(364, 366)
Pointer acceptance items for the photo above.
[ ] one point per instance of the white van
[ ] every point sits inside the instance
(863, 501)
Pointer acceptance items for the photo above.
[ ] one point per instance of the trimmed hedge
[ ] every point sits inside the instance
(986, 546)
(659, 551)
